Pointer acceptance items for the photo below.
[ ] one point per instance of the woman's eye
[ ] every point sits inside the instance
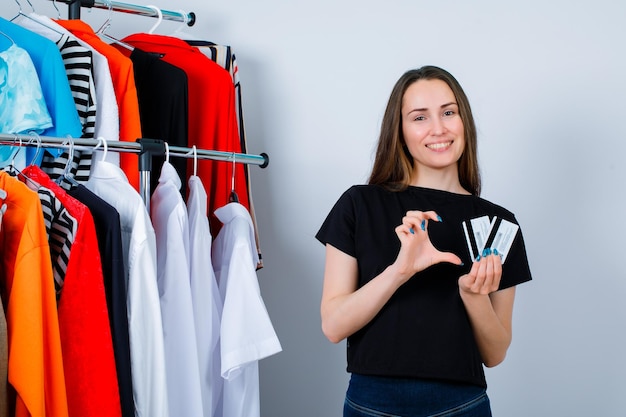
(449, 113)
(419, 118)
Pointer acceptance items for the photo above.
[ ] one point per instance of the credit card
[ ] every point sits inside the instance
(481, 233)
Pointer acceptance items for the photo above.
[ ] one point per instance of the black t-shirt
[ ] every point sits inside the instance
(423, 331)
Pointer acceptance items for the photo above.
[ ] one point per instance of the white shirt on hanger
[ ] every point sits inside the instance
(207, 303)
(171, 226)
(145, 325)
(247, 334)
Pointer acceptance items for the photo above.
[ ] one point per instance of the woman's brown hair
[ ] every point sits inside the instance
(393, 163)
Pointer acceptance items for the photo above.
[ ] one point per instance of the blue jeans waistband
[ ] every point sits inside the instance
(402, 397)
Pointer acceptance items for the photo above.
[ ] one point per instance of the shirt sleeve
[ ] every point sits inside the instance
(516, 269)
(339, 227)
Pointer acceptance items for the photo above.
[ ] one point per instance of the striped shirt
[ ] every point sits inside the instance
(61, 230)
(78, 62)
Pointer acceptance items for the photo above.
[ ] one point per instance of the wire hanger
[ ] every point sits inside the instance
(9, 38)
(233, 198)
(101, 32)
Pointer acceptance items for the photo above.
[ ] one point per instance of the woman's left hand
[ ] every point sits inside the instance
(484, 277)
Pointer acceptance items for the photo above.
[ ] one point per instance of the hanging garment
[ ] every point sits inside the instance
(163, 110)
(224, 56)
(145, 324)
(35, 360)
(246, 333)
(121, 69)
(212, 120)
(22, 105)
(54, 83)
(61, 229)
(78, 62)
(107, 115)
(109, 235)
(206, 299)
(4, 364)
(89, 362)
(171, 226)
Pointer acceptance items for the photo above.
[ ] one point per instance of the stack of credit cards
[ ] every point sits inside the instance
(483, 232)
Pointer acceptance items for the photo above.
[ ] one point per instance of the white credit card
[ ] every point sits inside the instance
(497, 233)
(476, 234)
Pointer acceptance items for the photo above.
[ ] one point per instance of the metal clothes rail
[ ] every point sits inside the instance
(145, 147)
(74, 7)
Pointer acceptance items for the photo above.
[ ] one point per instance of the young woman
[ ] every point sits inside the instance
(420, 314)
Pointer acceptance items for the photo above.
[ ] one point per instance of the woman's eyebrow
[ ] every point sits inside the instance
(443, 106)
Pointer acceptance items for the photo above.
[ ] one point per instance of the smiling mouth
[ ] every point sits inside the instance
(439, 146)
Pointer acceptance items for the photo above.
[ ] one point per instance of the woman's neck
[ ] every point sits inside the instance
(444, 180)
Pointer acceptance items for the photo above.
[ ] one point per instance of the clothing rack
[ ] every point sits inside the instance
(74, 7)
(145, 147)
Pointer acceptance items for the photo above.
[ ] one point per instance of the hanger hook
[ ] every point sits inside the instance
(233, 194)
(195, 160)
(70, 159)
(20, 144)
(159, 14)
(39, 143)
(167, 151)
(102, 141)
(107, 23)
(232, 180)
(54, 4)
(19, 12)
(185, 20)
(193, 151)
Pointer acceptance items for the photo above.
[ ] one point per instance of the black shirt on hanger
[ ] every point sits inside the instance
(163, 108)
(109, 235)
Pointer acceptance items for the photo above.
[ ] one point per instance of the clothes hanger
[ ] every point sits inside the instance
(31, 18)
(102, 141)
(12, 170)
(9, 39)
(159, 18)
(101, 32)
(39, 143)
(68, 166)
(195, 160)
(194, 152)
(3, 207)
(178, 32)
(233, 198)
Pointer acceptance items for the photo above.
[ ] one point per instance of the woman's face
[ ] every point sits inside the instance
(432, 126)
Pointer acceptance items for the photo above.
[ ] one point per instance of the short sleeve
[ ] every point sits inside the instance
(338, 229)
(516, 269)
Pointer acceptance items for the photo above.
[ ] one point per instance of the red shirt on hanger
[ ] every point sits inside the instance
(212, 120)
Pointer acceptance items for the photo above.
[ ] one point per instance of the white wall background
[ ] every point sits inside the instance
(547, 83)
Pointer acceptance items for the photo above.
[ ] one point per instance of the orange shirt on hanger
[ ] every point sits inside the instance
(35, 360)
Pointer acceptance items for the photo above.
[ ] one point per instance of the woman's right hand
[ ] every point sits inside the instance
(417, 251)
